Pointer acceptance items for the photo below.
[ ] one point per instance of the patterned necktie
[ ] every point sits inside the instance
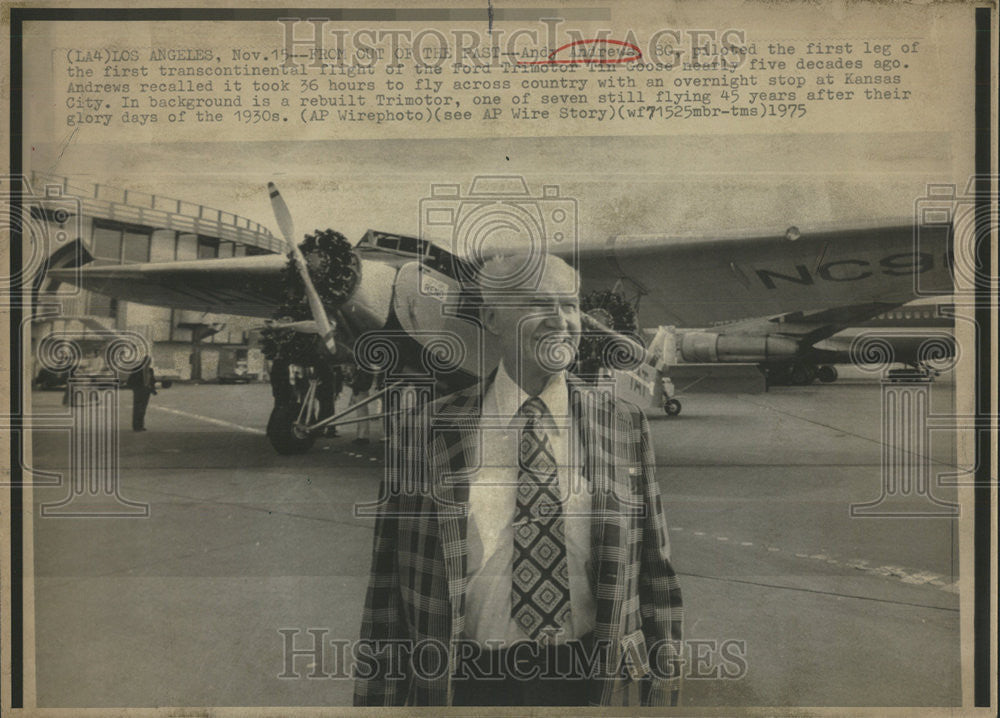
(540, 577)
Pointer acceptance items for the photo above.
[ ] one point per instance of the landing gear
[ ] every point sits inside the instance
(802, 374)
(919, 373)
(826, 374)
(671, 407)
(284, 433)
(296, 422)
(798, 374)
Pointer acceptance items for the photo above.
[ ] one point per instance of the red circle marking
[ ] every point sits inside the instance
(551, 59)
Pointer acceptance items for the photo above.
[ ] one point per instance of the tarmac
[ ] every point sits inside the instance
(789, 600)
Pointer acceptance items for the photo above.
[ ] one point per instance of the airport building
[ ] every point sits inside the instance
(118, 226)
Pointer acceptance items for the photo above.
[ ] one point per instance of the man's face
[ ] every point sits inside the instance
(540, 334)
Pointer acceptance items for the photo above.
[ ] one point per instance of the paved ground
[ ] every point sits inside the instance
(185, 607)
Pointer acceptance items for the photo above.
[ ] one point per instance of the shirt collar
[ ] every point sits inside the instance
(509, 396)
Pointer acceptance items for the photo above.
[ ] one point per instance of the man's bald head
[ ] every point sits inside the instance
(513, 278)
(531, 306)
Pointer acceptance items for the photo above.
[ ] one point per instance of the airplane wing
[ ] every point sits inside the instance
(808, 327)
(685, 282)
(247, 286)
(699, 282)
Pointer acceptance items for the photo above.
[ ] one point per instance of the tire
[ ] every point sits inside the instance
(802, 375)
(671, 407)
(778, 375)
(827, 374)
(166, 384)
(49, 380)
(282, 436)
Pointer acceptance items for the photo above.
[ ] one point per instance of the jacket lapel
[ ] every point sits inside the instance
(598, 426)
(456, 456)
(605, 464)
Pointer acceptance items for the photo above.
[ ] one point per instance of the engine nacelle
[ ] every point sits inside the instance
(710, 347)
(367, 306)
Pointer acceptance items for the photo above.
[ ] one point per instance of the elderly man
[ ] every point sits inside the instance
(521, 554)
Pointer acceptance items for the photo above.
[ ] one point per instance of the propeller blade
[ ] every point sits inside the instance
(287, 228)
(281, 213)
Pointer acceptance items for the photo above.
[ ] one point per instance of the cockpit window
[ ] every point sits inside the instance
(431, 255)
(408, 245)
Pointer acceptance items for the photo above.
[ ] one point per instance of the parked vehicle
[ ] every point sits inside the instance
(234, 367)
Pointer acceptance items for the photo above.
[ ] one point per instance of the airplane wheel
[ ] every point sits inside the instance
(827, 374)
(672, 407)
(282, 436)
(776, 376)
(802, 375)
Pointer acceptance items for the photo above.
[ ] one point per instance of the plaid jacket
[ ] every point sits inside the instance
(415, 604)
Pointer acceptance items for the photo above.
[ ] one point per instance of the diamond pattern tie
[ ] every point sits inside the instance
(540, 577)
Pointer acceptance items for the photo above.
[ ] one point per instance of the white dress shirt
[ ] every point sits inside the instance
(493, 503)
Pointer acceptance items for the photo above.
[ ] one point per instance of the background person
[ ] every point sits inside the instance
(331, 383)
(281, 387)
(142, 382)
(360, 387)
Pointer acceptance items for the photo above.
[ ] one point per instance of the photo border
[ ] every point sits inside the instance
(985, 672)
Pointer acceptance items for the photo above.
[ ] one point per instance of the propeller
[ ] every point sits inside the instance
(593, 323)
(284, 217)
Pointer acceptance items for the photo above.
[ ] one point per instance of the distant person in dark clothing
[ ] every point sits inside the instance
(142, 382)
(66, 392)
(331, 383)
(300, 383)
(360, 387)
(280, 386)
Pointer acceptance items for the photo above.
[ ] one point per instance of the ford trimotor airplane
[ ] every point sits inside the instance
(774, 299)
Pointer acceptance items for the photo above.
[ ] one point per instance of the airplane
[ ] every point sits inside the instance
(825, 339)
(771, 297)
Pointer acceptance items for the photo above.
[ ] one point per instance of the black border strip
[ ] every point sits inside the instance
(16, 408)
(400, 14)
(985, 395)
(983, 676)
